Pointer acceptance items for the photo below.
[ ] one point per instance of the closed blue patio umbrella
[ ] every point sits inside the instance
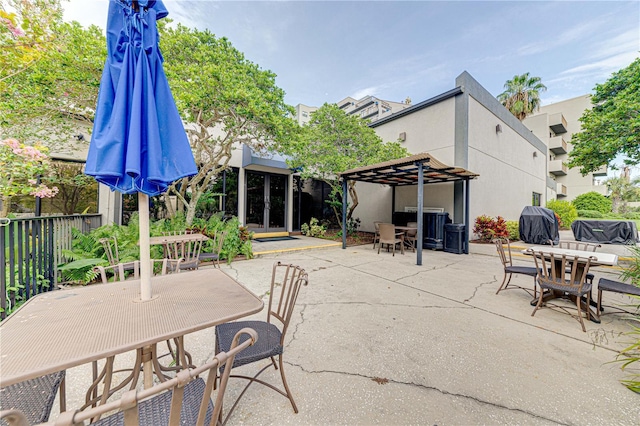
(138, 144)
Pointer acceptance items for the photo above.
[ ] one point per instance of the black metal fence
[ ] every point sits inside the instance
(30, 251)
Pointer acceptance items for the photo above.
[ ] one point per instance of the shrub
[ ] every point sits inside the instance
(313, 228)
(590, 214)
(630, 356)
(513, 228)
(565, 211)
(592, 201)
(631, 215)
(488, 228)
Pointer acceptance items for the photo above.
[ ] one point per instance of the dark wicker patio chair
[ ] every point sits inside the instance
(183, 400)
(615, 287)
(510, 268)
(33, 398)
(554, 278)
(286, 281)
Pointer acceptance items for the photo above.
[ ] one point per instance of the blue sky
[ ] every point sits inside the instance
(323, 51)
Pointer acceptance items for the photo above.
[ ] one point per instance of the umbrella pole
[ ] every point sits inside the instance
(145, 247)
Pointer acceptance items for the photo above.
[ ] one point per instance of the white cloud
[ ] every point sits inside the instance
(606, 65)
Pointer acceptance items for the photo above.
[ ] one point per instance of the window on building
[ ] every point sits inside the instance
(535, 201)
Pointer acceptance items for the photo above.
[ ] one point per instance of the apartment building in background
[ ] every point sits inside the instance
(555, 124)
(368, 108)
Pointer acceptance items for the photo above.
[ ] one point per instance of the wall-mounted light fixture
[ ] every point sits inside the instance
(498, 128)
(402, 136)
(535, 154)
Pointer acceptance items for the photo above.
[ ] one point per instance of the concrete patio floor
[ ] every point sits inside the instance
(376, 339)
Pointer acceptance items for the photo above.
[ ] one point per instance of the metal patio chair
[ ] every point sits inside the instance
(183, 400)
(34, 398)
(120, 272)
(187, 250)
(286, 281)
(411, 235)
(214, 254)
(510, 268)
(552, 276)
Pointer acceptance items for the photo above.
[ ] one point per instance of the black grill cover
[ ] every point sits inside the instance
(605, 231)
(538, 225)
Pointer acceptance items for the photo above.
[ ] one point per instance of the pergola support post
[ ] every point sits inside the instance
(466, 216)
(344, 213)
(420, 213)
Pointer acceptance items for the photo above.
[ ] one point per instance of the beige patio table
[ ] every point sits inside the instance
(61, 329)
(163, 239)
(597, 259)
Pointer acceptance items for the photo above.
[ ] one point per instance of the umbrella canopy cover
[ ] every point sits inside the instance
(138, 143)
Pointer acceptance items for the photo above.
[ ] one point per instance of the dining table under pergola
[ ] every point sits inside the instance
(416, 170)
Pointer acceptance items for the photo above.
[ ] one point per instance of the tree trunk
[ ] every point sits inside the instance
(6, 203)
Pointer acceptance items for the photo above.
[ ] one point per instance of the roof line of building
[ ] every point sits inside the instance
(421, 105)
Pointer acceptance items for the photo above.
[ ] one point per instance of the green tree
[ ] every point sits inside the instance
(622, 190)
(226, 101)
(56, 96)
(612, 127)
(522, 95)
(27, 30)
(592, 201)
(333, 142)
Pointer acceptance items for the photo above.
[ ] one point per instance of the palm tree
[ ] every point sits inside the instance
(522, 95)
(621, 190)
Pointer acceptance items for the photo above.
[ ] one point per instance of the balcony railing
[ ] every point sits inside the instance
(558, 145)
(602, 171)
(557, 168)
(561, 190)
(557, 123)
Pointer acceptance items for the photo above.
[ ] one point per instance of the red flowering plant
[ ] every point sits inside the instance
(488, 228)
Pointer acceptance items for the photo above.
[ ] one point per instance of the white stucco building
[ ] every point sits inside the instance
(555, 124)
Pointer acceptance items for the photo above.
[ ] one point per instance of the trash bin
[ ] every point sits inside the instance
(454, 241)
(433, 230)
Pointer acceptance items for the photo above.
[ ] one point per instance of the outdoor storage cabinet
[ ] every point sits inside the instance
(432, 226)
(454, 241)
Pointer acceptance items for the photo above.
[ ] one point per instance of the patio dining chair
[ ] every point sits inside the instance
(389, 236)
(286, 281)
(510, 268)
(34, 398)
(188, 251)
(582, 246)
(183, 400)
(110, 246)
(552, 276)
(214, 254)
(119, 271)
(411, 235)
(376, 234)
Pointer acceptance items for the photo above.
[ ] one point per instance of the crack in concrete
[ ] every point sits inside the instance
(475, 290)
(402, 305)
(433, 388)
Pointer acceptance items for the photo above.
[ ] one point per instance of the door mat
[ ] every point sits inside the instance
(266, 240)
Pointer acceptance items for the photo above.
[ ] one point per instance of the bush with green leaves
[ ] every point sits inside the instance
(592, 201)
(313, 228)
(87, 251)
(565, 211)
(630, 356)
(590, 214)
(513, 228)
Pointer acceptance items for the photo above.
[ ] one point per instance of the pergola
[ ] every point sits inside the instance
(419, 169)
